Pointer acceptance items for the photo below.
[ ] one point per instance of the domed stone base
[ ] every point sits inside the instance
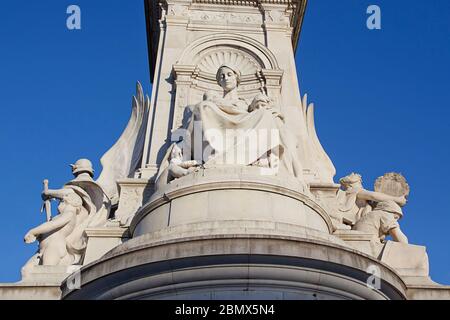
(234, 267)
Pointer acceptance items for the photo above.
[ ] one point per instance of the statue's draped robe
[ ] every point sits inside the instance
(223, 133)
(230, 135)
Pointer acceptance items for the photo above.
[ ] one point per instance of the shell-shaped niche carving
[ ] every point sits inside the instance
(210, 61)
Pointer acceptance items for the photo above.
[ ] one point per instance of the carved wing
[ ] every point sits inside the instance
(124, 158)
(327, 171)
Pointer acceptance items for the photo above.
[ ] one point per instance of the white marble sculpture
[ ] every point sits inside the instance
(82, 204)
(391, 192)
(352, 203)
(177, 166)
(224, 71)
(234, 132)
(374, 212)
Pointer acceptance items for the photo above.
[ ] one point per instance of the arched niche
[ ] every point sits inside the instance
(195, 71)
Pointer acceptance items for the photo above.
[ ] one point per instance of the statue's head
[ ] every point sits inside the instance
(228, 77)
(353, 180)
(82, 166)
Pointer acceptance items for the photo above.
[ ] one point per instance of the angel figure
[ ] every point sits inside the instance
(82, 204)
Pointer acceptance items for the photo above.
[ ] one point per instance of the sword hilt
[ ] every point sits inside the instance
(47, 205)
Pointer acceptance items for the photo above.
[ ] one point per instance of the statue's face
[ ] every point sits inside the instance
(227, 79)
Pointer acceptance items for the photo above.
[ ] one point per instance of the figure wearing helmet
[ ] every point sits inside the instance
(62, 240)
(82, 167)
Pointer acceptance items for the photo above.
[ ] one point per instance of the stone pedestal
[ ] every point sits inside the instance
(133, 194)
(30, 291)
(102, 240)
(38, 283)
(408, 260)
(233, 266)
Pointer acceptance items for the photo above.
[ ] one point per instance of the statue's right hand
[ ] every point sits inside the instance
(29, 237)
(45, 196)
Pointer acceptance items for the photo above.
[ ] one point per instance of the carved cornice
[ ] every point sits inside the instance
(155, 11)
(252, 3)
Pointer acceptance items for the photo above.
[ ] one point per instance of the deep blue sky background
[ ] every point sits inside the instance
(382, 102)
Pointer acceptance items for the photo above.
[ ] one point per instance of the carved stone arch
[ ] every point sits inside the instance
(195, 71)
(257, 49)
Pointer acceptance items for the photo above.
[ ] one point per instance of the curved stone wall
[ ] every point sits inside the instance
(234, 267)
(215, 196)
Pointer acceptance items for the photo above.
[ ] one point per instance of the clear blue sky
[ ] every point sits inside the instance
(382, 102)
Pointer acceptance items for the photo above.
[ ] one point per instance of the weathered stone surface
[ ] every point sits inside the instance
(102, 240)
(205, 266)
(408, 260)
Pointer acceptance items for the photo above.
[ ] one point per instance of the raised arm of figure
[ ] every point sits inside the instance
(60, 221)
(398, 235)
(380, 197)
(56, 194)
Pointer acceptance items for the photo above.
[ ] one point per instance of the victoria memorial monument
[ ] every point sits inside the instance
(219, 187)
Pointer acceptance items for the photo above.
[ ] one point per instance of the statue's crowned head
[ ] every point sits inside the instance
(228, 77)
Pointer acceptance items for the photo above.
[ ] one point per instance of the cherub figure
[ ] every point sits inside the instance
(174, 166)
(177, 166)
(271, 159)
(287, 146)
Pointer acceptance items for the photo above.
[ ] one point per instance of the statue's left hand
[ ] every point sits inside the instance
(29, 237)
